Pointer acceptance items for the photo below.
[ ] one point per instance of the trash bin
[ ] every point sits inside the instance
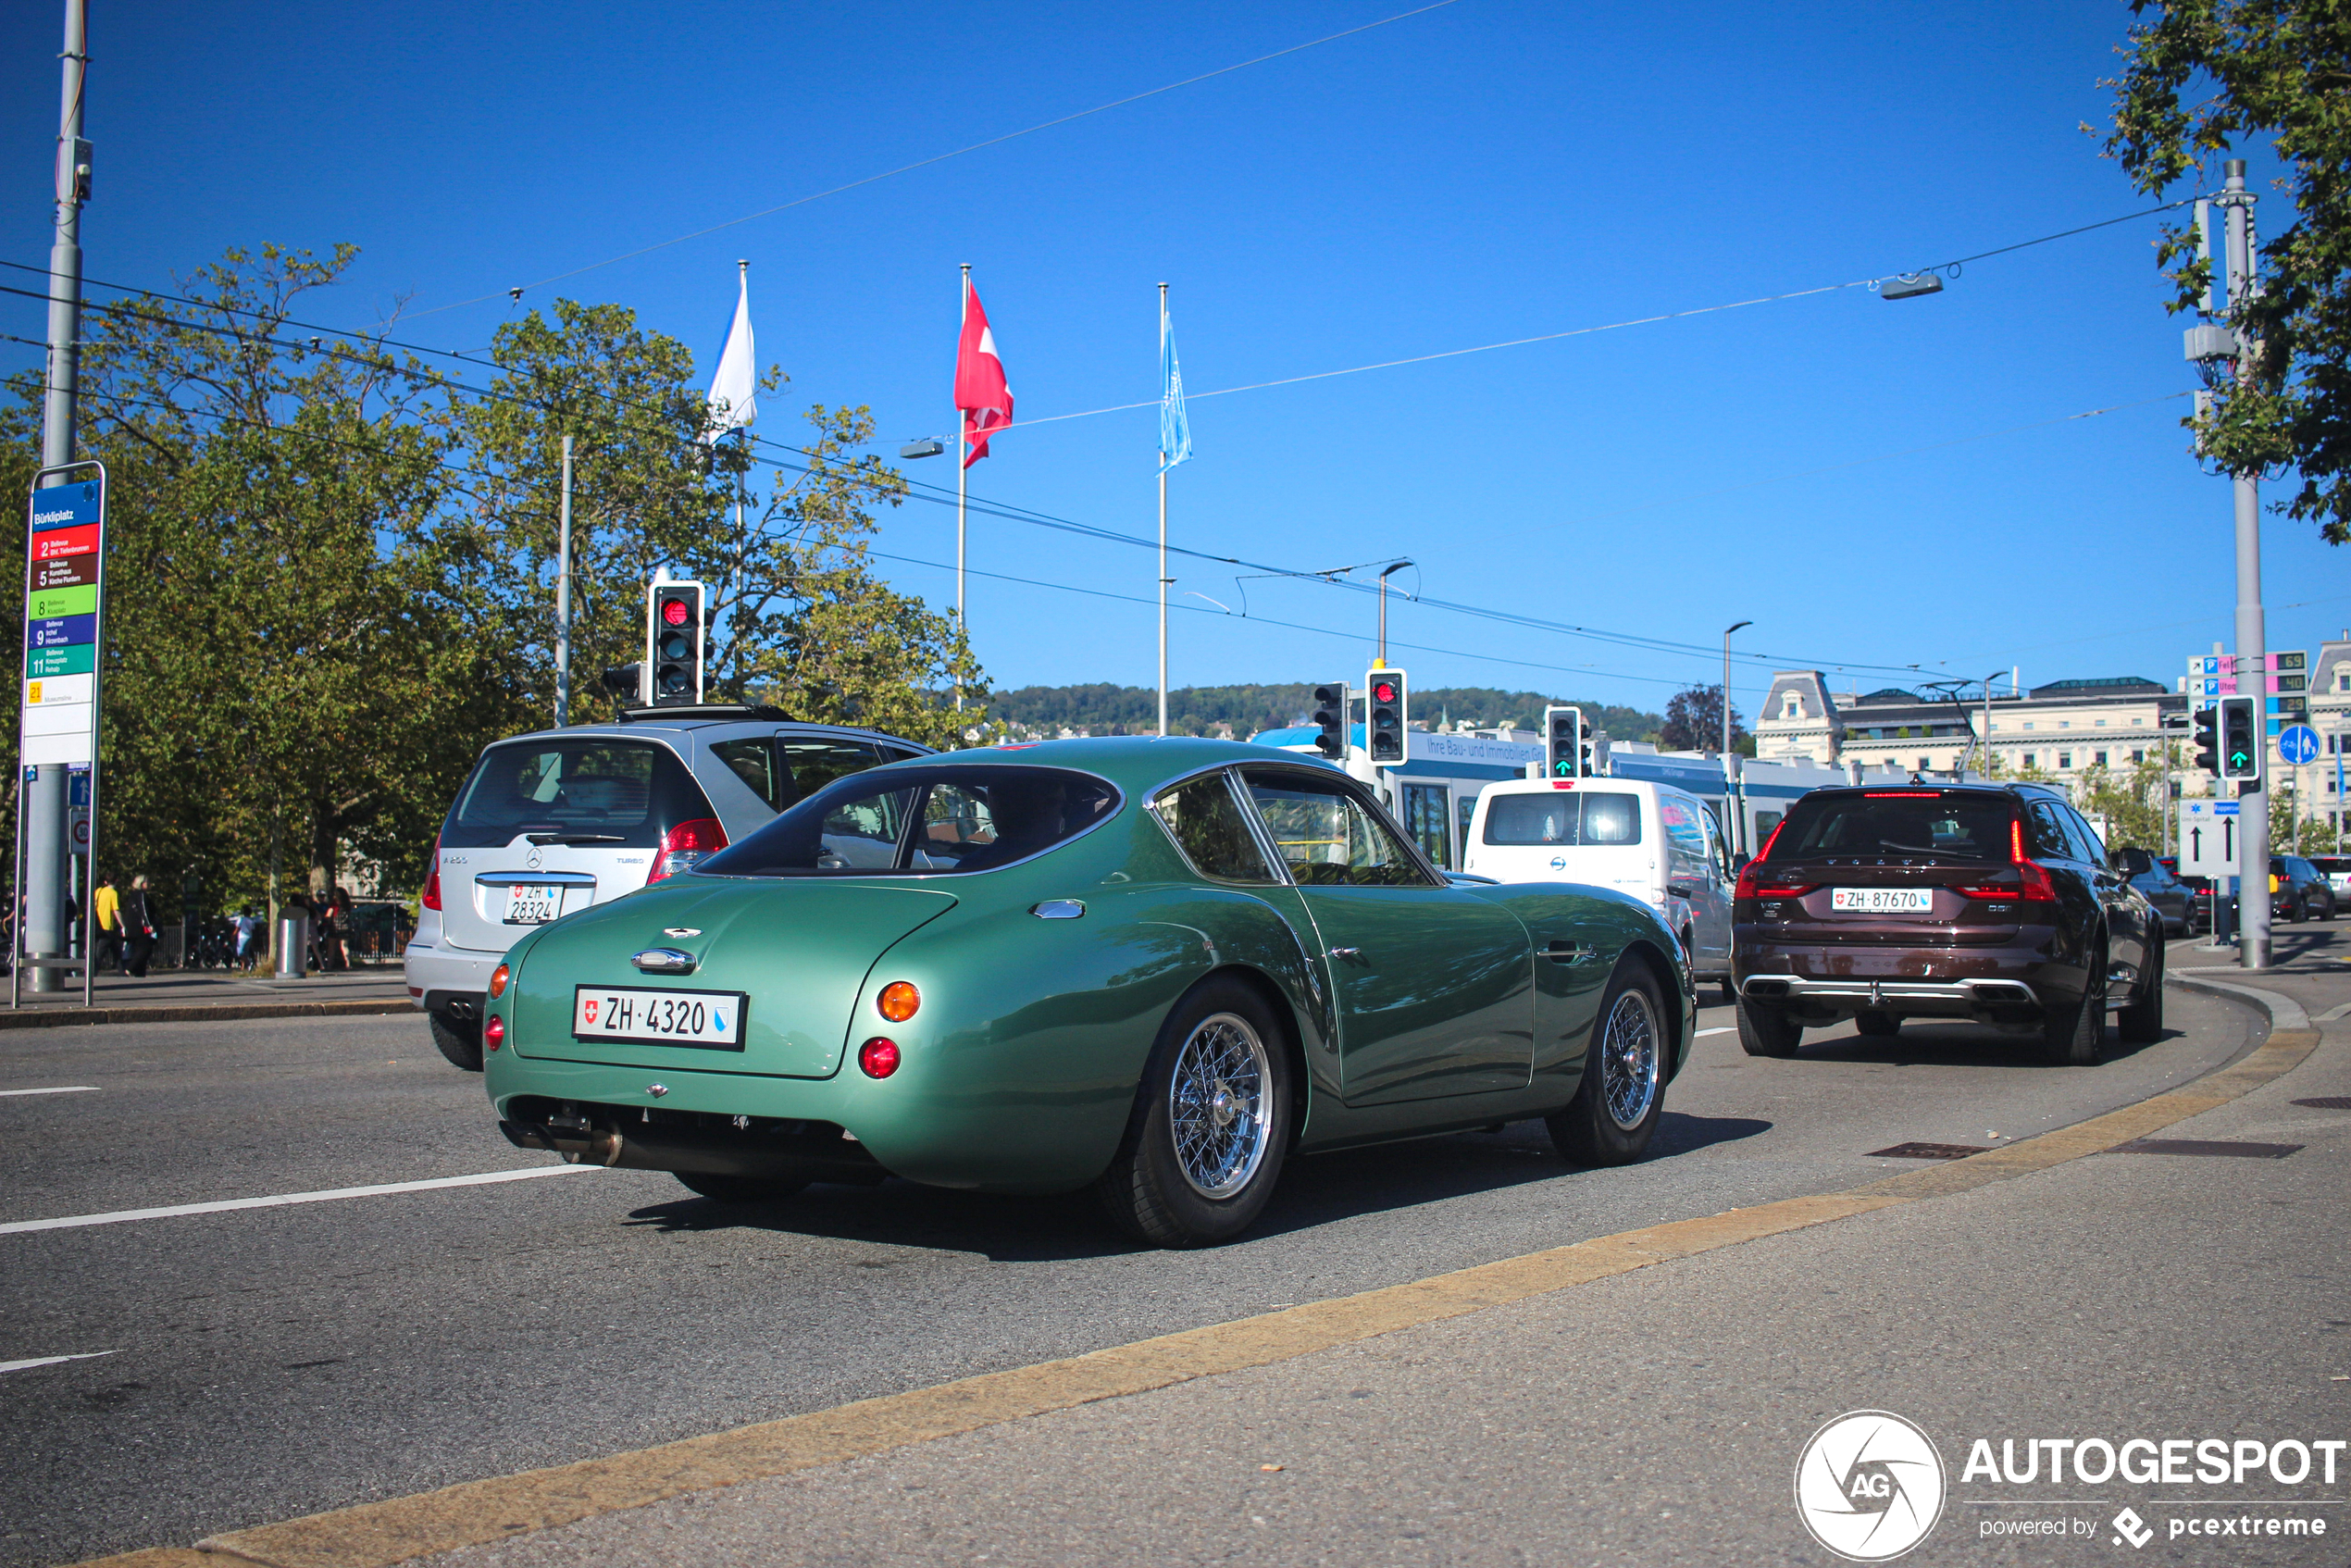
(293, 946)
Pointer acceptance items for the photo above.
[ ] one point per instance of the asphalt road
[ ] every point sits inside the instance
(269, 1362)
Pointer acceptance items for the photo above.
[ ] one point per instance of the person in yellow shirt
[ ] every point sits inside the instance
(107, 906)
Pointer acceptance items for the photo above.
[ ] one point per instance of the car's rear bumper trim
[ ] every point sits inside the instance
(1956, 996)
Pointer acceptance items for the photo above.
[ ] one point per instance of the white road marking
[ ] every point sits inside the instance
(1726, 1030)
(122, 1216)
(52, 1361)
(71, 1088)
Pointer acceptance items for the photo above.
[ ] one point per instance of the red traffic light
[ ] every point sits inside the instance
(675, 611)
(1384, 692)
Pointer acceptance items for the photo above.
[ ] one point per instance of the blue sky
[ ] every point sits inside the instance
(1488, 170)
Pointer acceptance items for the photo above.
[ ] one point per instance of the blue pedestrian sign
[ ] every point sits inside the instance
(2298, 743)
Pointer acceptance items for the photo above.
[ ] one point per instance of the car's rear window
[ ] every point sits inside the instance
(1952, 824)
(2332, 864)
(1561, 816)
(944, 818)
(620, 793)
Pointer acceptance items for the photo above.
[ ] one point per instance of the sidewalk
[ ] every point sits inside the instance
(191, 995)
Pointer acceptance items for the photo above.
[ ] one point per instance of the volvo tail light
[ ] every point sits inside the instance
(2035, 884)
(432, 881)
(1755, 881)
(685, 844)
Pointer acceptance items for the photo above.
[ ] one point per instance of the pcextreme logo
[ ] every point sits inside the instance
(1870, 1486)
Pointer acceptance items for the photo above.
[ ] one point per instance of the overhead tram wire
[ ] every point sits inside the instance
(996, 509)
(1023, 515)
(942, 157)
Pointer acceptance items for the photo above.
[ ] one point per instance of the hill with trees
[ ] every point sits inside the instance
(1199, 710)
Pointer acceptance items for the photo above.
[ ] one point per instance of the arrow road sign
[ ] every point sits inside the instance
(2207, 837)
(2298, 743)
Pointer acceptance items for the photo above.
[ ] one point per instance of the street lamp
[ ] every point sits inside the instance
(1383, 609)
(1736, 824)
(928, 446)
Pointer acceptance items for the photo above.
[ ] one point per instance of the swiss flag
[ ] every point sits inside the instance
(980, 390)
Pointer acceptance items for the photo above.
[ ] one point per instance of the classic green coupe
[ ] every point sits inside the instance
(1154, 967)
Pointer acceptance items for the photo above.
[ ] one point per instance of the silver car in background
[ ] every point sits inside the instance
(554, 821)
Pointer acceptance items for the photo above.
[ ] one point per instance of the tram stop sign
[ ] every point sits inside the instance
(2298, 743)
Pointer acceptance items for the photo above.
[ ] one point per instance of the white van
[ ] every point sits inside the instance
(1652, 841)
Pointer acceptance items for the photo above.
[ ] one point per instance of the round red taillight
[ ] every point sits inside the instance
(877, 1058)
(493, 1032)
(498, 979)
(675, 611)
(899, 1001)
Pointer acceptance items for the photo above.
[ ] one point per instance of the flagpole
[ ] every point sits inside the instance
(742, 438)
(962, 314)
(1163, 540)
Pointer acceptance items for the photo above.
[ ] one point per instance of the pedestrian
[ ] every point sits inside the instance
(107, 906)
(137, 920)
(243, 929)
(330, 937)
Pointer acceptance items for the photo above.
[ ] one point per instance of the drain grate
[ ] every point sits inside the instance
(2204, 1146)
(1925, 1152)
(2328, 1103)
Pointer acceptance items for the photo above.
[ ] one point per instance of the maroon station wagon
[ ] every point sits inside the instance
(1990, 902)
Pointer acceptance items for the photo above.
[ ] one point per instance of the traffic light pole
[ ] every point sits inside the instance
(42, 801)
(2252, 632)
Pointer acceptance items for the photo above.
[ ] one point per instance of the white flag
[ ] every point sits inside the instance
(733, 392)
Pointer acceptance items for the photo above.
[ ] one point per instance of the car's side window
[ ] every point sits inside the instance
(1205, 821)
(753, 759)
(1684, 840)
(2045, 835)
(811, 762)
(1328, 838)
(957, 824)
(2088, 846)
(1714, 843)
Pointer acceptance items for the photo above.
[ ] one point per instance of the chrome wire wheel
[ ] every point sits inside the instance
(1628, 1060)
(1220, 1105)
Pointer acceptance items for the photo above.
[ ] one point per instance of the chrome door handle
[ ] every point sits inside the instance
(1350, 953)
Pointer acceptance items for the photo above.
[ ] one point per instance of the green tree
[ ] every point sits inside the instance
(796, 614)
(292, 663)
(2199, 78)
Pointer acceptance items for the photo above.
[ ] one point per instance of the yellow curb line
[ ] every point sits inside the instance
(503, 1507)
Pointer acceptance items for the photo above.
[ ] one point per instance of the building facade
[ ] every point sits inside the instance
(2062, 730)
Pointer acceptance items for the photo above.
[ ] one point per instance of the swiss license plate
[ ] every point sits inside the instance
(533, 906)
(712, 1020)
(1881, 900)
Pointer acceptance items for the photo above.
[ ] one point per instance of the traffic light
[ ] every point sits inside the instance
(1384, 716)
(2241, 740)
(1564, 751)
(1330, 720)
(2207, 740)
(673, 643)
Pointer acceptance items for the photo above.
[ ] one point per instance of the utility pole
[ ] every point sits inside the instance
(562, 600)
(1730, 796)
(1384, 575)
(1164, 579)
(44, 794)
(2252, 632)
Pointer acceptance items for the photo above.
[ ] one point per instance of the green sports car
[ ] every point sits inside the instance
(1156, 968)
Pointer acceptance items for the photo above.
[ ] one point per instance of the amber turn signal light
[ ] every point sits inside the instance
(899, 1001)
(877, 1058)
(498, 979)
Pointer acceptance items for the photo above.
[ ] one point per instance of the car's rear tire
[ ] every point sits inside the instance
(1766, 1030)
(739, 1189)
(1616, 1107)
(459, 1042)
(1877, 1025)
(2142, 1022)
(1210, 1126)
(2074, 1034)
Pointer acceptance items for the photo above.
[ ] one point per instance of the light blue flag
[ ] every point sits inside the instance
(1174, 430)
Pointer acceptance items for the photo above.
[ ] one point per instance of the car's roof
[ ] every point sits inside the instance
(1973, 787)
(1131, 762)
(641, 729)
